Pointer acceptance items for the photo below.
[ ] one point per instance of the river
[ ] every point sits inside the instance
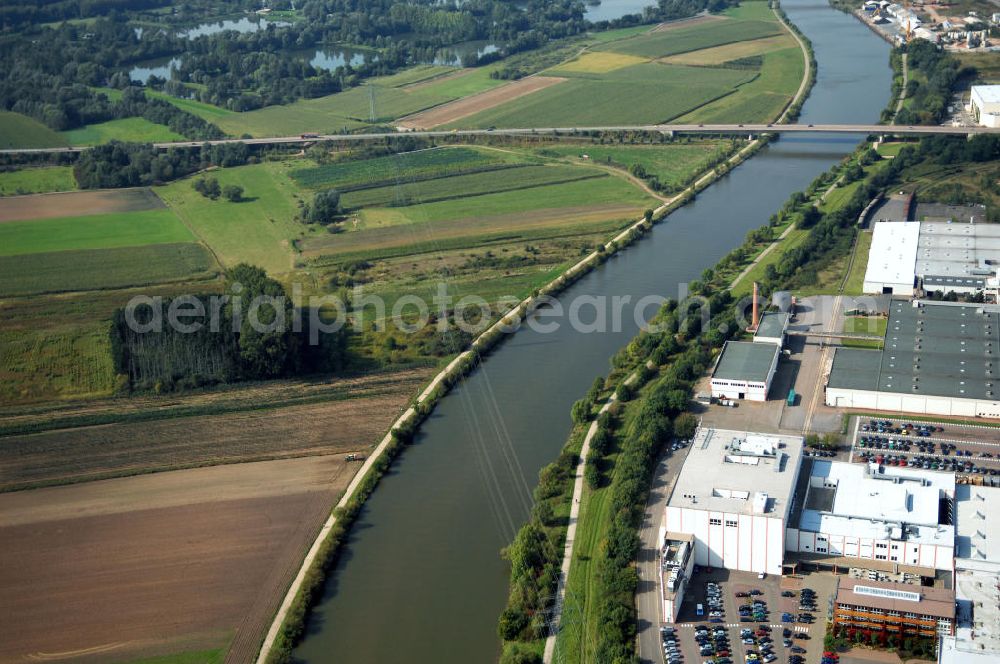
(421, 580)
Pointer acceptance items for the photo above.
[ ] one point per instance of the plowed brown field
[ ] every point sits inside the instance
(346, 423)
(77, 204)
(188, 560)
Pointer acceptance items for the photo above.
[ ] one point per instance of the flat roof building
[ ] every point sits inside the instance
(733, 495)
(892, 514)
(985, 103)
(939, 256)
(938, 358)
(892, 258)
(977, 578)
(893, 608)
(745, 370)
(771, 328)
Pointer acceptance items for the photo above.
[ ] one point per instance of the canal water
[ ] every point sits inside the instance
(421, 579)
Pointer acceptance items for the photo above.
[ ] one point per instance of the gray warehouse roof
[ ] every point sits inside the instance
(939, 349)
(745, 360)
(957, 250)
(772, 324)
(937, 282)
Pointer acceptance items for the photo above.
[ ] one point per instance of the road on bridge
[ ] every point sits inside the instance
(895, 130)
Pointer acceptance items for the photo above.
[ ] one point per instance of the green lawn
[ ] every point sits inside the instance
(136, 130)
(202, 657)
(102, 231)
(259, 230)
(875, 325)
(205, 111)
(37, 180)
(672, 163)
(656, 93)
(856, 279)
(468, 82)
(98, 269)
(20, 131)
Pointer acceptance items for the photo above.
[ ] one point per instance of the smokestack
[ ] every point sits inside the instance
(756, 312)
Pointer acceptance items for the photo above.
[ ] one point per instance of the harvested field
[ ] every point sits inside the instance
(77, 204)
(461, 108)
(123, 569)
(349, 421)
(721, 54)
(687, 22)
(599, 63)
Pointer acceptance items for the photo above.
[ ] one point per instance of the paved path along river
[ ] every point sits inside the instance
(421, 580)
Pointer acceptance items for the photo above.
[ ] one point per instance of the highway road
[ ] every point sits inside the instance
(895, 130)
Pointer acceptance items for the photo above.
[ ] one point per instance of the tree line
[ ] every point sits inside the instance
(161, 358)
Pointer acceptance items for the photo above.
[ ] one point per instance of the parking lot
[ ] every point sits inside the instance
(723, 632)
(968, 450)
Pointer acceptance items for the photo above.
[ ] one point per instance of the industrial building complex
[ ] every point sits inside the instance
(877, 513)
(932, 256)
(938, 358)
(734, 497)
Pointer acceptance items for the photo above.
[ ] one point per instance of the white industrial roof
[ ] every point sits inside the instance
(977, 619)
(990, 94)
(732, 471)
(872, 504)
(893, 253)
(977, 538)
(957, 249)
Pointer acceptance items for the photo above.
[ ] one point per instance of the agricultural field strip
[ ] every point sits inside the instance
(103, 269)
(18, 421)
(468, 186)
(105, 231)
(661, 44)
(369, 173)
(77, 204)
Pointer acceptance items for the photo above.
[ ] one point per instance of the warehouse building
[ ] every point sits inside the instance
(939, 358)
(891, 515)
(977, 578)
(893, 608)
(733, 495)
(985, 105)
(892, 258)
(745, 370)
(935, 256)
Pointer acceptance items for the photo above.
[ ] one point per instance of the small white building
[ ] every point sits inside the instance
(888, 514)
(733, 495)
(745, 370)
(772, 327)
(892, 258)
(985, 105)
